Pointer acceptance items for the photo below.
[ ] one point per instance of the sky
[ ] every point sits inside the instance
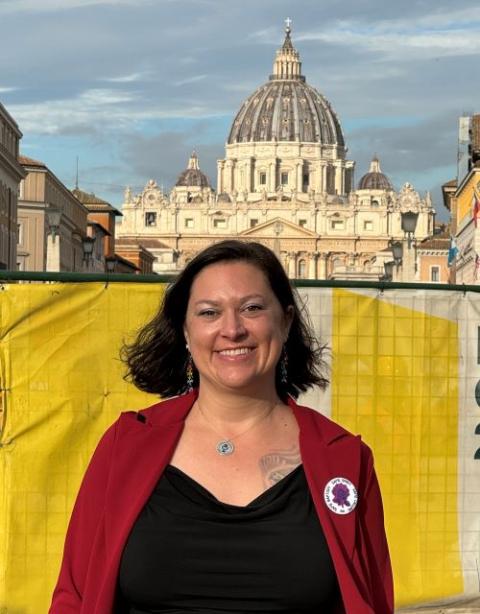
(131, 87)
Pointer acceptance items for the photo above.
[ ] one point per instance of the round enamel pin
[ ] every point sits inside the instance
(340, 495)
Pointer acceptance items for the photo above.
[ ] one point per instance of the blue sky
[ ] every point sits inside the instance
(132, 86)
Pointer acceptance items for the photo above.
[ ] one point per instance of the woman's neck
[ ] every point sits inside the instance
(225, 406)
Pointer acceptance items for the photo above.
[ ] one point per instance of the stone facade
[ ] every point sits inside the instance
(11, 173)
(42, 247)
(285, 181)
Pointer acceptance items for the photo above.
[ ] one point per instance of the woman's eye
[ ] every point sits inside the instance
(253, 307)
(209, 313)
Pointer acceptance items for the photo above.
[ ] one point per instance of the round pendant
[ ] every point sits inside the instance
(225, 447)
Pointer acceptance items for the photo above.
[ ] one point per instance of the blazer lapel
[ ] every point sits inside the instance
(328, 452)
(143, 449)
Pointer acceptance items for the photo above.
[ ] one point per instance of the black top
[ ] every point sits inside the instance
(188, 552)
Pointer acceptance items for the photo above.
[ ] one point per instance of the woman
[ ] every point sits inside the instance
(229, 498)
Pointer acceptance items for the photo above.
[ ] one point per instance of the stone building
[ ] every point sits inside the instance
(11, 173)
(52, 223)
(286, 182)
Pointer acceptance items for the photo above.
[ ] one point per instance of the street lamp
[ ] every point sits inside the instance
(388, 267)
(110, 262)
(397, 251)
(54, 216)
(87, 245)
(409, 224)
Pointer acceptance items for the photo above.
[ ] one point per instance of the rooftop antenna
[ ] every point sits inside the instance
(76, 177)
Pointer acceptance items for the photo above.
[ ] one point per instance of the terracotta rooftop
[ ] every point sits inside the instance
(147, 243)
(441, 242)
(26, 161)
(94, 203)
(450, 184)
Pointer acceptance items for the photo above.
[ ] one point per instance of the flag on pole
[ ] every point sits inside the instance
(476, 207)
(477, 267)
(453, 251)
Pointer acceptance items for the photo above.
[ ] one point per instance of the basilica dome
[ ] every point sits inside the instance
(192, 176)
(286, 108)
(375, 179)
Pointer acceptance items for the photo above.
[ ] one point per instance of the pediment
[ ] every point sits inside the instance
(269, 229)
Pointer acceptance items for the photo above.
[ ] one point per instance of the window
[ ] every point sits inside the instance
(302, 223)
(435, 273)
(263, 178)
(284, 178)
(375, 203)
(19, 234)
(367, 225)
(189, 223)
(253, 223)
(219, 223)
(338, 225)
(305, 182)
(150, 218)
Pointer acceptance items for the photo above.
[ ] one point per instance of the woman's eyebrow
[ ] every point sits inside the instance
(208, 301)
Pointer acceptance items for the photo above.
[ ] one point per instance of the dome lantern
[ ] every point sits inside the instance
(287, 63)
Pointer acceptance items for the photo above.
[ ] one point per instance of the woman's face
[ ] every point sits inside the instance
(235, 328)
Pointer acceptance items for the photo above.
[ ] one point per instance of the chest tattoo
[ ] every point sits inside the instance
(277, 464)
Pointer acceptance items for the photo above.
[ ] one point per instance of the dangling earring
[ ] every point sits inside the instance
(284, 366)
(189, 373)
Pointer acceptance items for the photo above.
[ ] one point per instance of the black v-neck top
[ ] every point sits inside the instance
(190, 553)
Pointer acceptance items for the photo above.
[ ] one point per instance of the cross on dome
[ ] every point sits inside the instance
(288, 23)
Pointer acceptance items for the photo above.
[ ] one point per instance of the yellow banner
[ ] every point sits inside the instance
(395, 380)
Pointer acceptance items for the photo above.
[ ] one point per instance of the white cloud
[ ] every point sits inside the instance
(190, 80)
(35, 6)
(106, 108)
(4, 90)
(137, 76)
(431, 36)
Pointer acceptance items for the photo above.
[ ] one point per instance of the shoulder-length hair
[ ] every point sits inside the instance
(157, 360)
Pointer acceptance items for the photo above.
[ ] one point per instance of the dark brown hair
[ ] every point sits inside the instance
(157, 360)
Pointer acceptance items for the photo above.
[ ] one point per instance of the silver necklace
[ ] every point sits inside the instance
(225, 446)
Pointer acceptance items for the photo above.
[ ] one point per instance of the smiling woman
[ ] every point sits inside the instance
(228, 497)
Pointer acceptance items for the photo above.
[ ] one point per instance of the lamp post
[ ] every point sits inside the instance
(87, 245)
(110, 264)
(54, 216)
(400, 255)
(409, 224)
(388, 267)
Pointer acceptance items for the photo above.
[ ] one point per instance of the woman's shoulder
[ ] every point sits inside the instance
(161, 413)
(329, 429)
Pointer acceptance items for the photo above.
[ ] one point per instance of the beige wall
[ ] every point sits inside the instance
(39, 249)
(10, 175)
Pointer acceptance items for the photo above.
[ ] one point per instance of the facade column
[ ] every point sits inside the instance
(292, 262)
(322, 178)
(299, 186)
(248, 175)
(220, 167)
(338, 178)
(229, 176)
(312, 273)
(322, 273)
(272, 176)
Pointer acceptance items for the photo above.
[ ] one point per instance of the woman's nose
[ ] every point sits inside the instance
(232, 325)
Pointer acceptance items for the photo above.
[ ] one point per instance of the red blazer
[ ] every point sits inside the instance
(131, 457)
